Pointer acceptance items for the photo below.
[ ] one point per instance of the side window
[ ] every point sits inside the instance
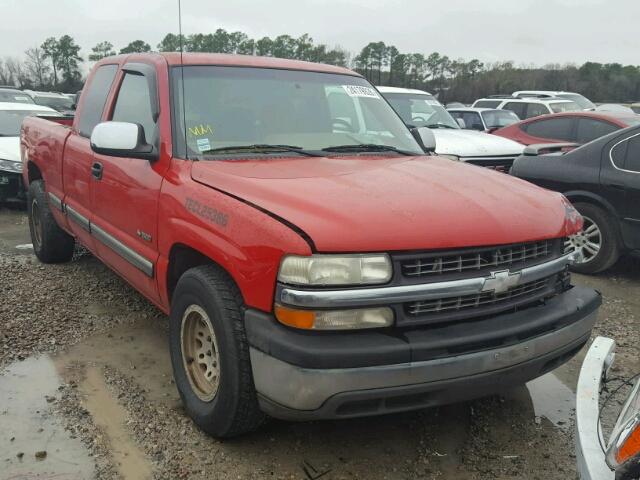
(589, 129)
(552, 128)
(486, 103)
(536, 109)
(516, 107)
(473, 121)
(94, 99)
(632, 161)
(134, 104)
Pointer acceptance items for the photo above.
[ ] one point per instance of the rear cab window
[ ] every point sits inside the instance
(95, 98)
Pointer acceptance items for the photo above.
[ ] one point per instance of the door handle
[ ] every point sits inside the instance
(96, 170)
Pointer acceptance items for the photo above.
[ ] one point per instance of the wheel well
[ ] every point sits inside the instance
(580, 198)
(181, 259)
(34, 172)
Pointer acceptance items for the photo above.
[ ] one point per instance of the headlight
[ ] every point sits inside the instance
(334, 319)
(572, 218)
(455, 158)
(367, 269)
(625, 439)
(10, 166)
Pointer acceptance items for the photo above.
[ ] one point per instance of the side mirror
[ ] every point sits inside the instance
(461, 123)
(425, 138)
(122, 139)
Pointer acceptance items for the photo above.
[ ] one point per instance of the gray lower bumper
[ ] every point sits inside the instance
(291, 391)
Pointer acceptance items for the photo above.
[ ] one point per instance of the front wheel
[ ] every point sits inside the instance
(598, 241)
(210, 353)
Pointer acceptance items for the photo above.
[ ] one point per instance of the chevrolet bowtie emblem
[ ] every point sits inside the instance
(500, 282)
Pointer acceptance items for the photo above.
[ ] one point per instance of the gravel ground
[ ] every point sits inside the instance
(109, 348)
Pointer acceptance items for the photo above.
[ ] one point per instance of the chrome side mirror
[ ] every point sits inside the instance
(122, 139)
(425, 138)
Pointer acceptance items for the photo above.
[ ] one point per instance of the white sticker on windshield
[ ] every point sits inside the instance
(21, 98)
(203, 144)
(432, 102)
(358, 91)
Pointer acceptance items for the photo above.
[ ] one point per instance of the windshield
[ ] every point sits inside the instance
(583, 102)
(564, 107)
(11, 121)
(421, 110)
(57, 103)
(238, 106)
(499, 118)
(14, 96)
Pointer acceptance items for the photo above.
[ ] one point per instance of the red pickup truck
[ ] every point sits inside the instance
(315, 259)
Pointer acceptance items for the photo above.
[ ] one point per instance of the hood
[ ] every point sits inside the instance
(361, 204)
(10, 148)
(471, 143)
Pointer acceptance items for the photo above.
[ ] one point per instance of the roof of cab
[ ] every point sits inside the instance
(223, 59)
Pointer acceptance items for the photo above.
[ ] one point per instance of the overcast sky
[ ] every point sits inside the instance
(525, 31)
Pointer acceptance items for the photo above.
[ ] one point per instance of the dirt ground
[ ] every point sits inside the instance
(86, 392)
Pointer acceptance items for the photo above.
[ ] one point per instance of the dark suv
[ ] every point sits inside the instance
(602, 180)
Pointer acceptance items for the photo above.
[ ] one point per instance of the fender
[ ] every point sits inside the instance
(243, 240)
(591, 198)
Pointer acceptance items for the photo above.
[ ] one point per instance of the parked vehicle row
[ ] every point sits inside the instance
(11, 118)
(602, 180)
(576, 127)
(483, 119)
(527, 107)
(418, 108)
(61, 102)
(316, 259)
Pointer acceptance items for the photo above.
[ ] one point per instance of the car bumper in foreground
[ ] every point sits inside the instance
(11, 188)
(589, 441)
(307, 375)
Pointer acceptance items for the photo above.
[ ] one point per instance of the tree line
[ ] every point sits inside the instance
(56, 65)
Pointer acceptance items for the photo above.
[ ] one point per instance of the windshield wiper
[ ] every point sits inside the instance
(367, 147)
(440, 125)
(262, 148)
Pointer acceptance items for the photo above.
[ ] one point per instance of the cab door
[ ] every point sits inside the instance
(78, 157)
(126, 190)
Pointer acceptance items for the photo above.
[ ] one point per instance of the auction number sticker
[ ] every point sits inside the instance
(358, 91)
(434, 103)
(203, 144)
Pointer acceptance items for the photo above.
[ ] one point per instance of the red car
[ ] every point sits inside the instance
(315, 260)
(575, 127)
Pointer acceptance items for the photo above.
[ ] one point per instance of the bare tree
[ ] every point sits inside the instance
(36, 66)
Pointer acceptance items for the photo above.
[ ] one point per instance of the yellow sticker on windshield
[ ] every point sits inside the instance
(200, 130)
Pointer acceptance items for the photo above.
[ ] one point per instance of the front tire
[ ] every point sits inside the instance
(598, 241)
(210, 353)
(51, 243)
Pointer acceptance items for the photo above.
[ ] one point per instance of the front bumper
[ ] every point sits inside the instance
(11, 187)
(309, 375)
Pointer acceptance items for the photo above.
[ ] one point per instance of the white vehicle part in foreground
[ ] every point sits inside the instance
(589, 441)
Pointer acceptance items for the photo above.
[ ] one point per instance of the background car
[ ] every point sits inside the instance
(13, 95)
(581, 100)
(57, 101)
(602, 180)
(577, 127)
(527, 107)
(483, 119)
(418, 108)
(11, 116)
(615, 108)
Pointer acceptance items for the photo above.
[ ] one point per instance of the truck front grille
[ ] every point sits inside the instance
(476, 301)
(479, 261)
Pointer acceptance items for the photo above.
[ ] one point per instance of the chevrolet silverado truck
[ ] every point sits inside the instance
(315, 259)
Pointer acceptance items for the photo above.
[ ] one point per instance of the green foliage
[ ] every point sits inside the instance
(137, 46)
(101, 50)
